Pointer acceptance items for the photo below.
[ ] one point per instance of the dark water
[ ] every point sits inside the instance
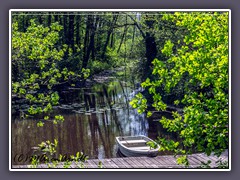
(93, 118)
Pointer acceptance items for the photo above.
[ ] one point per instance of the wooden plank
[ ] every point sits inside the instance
(44, 166)
(20, 166)
(141, 162)
(213, 158)
(164, 160)
(130, 162)
(149, 162)
(113, 164)
(158, 161)
(122, 160)
(193, 161)
(196, 158)
(74, 165)
(107, 163)
(170, 161)
(96, 162)
(224, 158)
(204, 158)
(119, 163)
(213, 162)
(90, 164)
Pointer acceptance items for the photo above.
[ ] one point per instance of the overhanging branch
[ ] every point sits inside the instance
(137, 25)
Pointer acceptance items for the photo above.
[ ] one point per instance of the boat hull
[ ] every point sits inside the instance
(133, 146)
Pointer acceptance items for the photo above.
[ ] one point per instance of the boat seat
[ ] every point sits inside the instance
(133, 141)
(140, 148)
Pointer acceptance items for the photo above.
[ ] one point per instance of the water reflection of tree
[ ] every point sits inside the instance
(107, 117)
(105, 131)
(90, 100)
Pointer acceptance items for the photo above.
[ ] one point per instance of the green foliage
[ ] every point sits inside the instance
(205, 164)
(222, 164)
(36, 55)
(86, 73)
(34, 162)
(219, 164)
(112, 55)
(46, 117)
(48, 147)
(139, 102)
(167, 49)
(152, 145)
(100, 164)
(168, 145)
(40, 124)
(58, 118)
(48, 151)
(204, 57)
(113, 60)
(182, 160)
(98, 66)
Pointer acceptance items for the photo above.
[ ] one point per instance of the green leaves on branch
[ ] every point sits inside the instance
(139, 102)
(58, 118)
(86, 73)
(167, 49)
(183, 160)
(40, 124)
(201, 65)
(36, 54)
(47, 154)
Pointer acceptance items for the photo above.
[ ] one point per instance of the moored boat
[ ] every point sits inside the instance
(137, 146)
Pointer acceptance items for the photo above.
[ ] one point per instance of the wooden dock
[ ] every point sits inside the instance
(160, 162)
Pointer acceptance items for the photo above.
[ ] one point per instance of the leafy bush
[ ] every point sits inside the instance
(204, 57)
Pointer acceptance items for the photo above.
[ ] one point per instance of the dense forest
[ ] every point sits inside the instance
(181, 59)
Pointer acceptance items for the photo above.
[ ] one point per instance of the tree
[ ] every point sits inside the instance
(35, 58)
(109, 32)
(204, 58)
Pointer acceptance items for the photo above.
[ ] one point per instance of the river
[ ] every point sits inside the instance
(94, 116)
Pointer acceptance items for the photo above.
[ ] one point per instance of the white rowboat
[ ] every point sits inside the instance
(136, 146)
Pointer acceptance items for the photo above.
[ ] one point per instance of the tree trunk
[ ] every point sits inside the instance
(86, 39)
(78, 21)
(65, 29)
(151, 47)
(49, 20)
(71, 32)
(55, 18)
(39, 19)
(112, 40)
(91, 28)
(122, 38)
(108, 36)
(133, 37)
(93, 37)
